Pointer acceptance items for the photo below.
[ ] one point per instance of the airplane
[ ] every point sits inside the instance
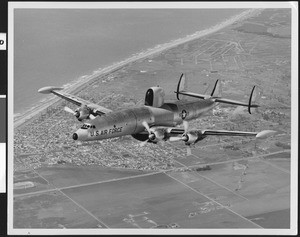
(156, 120)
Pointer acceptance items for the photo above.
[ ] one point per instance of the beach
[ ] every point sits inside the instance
(72, 87)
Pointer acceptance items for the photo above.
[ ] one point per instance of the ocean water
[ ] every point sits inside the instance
(58, 46)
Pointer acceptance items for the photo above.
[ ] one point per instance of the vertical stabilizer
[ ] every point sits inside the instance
(255, 97)
(257, 94)
(217, 90)
(182, 86)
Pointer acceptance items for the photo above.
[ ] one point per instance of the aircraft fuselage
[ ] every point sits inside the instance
(129, 121)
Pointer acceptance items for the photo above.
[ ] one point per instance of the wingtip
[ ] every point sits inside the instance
(49, 89)
(265, 134)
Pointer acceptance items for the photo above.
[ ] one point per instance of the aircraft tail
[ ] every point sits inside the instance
(182, 86)
(217, 90)
(182, 91)
(255, 97)
(216, 95)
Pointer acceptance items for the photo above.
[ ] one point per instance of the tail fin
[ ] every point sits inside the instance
(182, 91)
(254, 99)
(182, 86)
(255, 96)
(216, 95)
(217, 90)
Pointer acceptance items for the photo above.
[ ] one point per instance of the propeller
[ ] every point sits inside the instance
(188, 150)
(83, 110)
(146, 125)
(185, 127)
(67, 109)
(92, 116)
(143, 143)
(151, 135)
(175, 139)
(156, 134)
(184, 138)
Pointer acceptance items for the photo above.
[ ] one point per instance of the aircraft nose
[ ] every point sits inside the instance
(75, 136)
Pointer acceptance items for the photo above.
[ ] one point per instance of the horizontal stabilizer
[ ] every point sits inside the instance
(215, 95)
(182, 90)
(191, 94)
(234, 102)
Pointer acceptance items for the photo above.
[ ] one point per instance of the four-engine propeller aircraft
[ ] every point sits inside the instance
(155, 120)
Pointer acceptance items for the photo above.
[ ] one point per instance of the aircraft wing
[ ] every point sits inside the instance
(262, 134)
(175, 131)
(227, 133)
(74, 99)
(208, 132)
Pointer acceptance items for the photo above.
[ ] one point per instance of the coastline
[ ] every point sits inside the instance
(80, 83)
(240, 173)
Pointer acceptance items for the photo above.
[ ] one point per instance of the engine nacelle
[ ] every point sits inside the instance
(159, 134)
(193, 137)
(83, 112)
(155, 97)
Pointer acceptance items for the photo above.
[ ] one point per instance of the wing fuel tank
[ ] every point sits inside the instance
(49, 89)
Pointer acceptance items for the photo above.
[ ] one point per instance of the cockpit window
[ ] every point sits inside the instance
(86, 126)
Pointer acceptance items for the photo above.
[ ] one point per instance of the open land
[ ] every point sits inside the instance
(227, 182)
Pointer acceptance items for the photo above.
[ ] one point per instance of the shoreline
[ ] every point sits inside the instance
(77, 84)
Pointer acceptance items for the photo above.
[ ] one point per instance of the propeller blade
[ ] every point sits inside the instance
(185, 126)
(188, 151)
(92, 116)
(175, 139)
(146, 125)
(142, 144)
(161, 143)
(67, 109)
